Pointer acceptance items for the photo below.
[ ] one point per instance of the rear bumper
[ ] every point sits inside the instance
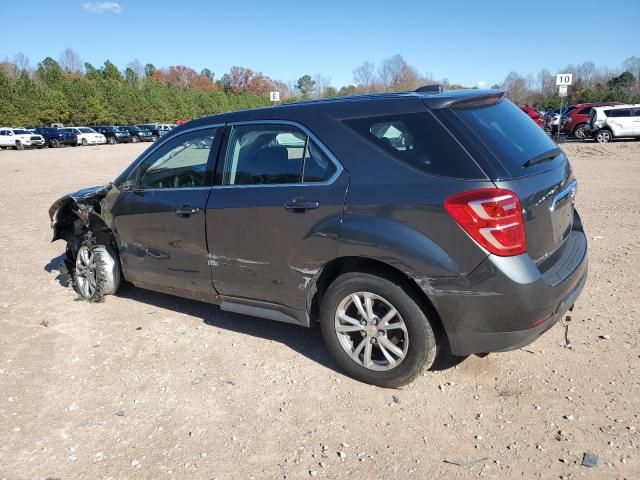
(508, 302)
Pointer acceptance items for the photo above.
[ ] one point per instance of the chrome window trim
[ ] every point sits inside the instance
(159, 144)
(310, 134)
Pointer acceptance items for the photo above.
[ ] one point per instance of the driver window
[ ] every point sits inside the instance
(180, 163)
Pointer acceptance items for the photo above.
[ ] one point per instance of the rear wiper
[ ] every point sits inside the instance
(543, 157)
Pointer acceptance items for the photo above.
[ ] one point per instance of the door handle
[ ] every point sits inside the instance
(301, 205)
(187, 210)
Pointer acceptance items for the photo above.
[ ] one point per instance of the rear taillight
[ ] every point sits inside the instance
(492, 217)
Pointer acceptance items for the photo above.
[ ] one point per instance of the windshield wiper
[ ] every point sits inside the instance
(543, 157)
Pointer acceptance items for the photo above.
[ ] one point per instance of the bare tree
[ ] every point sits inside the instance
(586, 72)
(364, 76)
(516, 87)
(632, 65)
(397, 75)
(21, 61)
(136, 67)
(70, 61)
(322, 83)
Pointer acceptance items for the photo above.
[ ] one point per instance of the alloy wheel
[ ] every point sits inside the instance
(86, 272)
(603, 136)
(371, 331)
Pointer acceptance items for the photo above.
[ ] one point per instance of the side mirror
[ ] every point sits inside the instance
(127, 185)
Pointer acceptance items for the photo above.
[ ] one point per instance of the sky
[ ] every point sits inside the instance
(467, 42)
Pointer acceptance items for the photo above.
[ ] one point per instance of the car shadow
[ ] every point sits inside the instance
(306, 341)
(58, 264)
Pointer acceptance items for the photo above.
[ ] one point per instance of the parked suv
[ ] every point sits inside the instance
(138, 134)
(533, 114)
(86, 136)
(55, 137)
(607, 123)
(397, 221)
(575, 121)
(156, 131)
(114, 134)
(19, 138)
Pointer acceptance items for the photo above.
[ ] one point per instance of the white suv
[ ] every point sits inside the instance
(86, 135)
(19, 138)
(607, 123)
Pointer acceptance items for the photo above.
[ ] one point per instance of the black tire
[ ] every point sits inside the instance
(84, 142)
(19, 145)
(422, 344)
(54, 143)
(603, 136)
(106, 273)
(135, 139)
(111, 141)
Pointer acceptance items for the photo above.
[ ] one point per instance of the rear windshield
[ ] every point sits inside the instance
(419, 140)
(508, 133)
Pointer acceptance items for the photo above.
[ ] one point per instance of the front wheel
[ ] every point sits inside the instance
(55, 143)
(111, 141)
(375, 331)
(604, 136)
(19, 146)
(84, 142)
(97, 272)
(135, 139)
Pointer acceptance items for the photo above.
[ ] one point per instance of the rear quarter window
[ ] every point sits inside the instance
(419, 140)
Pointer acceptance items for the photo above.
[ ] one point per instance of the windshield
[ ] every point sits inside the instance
(87, 130)
(508, 133)
(21, 132)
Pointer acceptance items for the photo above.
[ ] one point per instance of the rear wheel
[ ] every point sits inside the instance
(604, 136)
(579, 132)
(375, 331)
(55, 143)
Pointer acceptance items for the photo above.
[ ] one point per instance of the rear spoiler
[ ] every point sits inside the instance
(480, 101)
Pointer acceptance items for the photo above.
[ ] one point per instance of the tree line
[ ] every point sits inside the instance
(590, 84)
(74, 92)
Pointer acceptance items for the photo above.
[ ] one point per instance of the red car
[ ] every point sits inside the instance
(534, 115)
(574, 122)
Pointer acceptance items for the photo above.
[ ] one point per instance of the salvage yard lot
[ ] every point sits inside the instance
(147, 385)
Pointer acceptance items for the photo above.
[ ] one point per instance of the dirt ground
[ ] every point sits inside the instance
(147, 385)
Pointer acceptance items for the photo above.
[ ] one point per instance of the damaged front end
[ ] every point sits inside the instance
(82, 213)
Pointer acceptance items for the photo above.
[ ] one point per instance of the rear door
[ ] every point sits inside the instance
(274, 215)
(620, 121)
(160, 215)
(521, 158)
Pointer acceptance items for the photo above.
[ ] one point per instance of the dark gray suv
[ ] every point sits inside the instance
(397, 221)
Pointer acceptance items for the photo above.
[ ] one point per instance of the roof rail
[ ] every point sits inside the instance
(430, 88)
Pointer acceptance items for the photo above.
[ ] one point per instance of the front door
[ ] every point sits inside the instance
(160, 216)
(273, 221)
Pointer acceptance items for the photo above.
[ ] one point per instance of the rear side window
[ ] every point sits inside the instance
(507, 133)
(274, 155)
(420, 140)
(618, 112)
